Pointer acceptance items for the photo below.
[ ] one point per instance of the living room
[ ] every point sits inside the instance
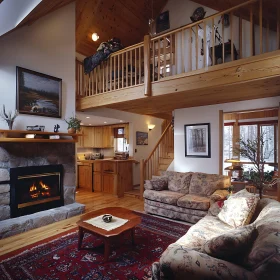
(48, 46)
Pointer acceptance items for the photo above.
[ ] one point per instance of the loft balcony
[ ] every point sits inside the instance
(198, 64)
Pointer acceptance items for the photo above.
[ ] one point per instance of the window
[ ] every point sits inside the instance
(119, 140)
(228, 134)
(249, 132)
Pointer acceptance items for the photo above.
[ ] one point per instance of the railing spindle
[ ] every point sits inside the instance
(111, 74)
(197, 46)
(190, 49)
(115, 76)
(278, 28)
(164, 55)
(103, 76)
(158, 60)
(140, 70)
(122, 70)
(267, 37)
(252, 30)
(240, 38)
(205, 51)
(131, 68)
(261, 26)
(118, 57)
(183, 51)
(231, 37)
(135, 53)
(213, 44)
(126, 70)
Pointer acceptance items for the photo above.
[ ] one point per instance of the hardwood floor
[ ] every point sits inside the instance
(93, 201)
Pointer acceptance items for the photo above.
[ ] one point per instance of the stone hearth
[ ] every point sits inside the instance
(37, 154)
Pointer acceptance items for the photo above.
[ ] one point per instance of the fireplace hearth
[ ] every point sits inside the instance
(35, 189)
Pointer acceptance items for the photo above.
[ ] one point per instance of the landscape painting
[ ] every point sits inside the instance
(197, 140)
(141, 138)
(38, 94)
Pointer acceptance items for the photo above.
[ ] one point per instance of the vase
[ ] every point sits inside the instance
(71, 130)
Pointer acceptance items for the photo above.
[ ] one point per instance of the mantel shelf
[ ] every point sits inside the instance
(19, 136)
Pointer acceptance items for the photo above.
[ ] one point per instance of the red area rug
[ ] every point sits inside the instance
(59, 258)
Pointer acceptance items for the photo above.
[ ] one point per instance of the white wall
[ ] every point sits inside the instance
(208, 114)
(46, 46)
(136, 123)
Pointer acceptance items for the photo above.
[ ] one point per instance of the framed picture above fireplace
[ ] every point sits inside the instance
(38, 93)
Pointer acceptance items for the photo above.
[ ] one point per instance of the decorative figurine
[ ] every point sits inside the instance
(9, 117)
(56, 127)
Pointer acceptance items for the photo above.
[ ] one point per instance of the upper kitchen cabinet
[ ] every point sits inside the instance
(108, 137)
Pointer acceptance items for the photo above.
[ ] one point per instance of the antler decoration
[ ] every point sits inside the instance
(8, 117)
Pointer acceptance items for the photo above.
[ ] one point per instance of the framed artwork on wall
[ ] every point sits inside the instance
(141, 138)
(197, 140)
(38, 94)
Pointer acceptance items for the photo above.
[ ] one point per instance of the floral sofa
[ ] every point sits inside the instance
(212, 249)
(184, 196)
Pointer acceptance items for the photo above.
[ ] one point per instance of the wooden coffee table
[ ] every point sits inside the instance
(133, 220)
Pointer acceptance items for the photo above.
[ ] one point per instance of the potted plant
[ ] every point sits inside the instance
(257, 152)
(74, 124)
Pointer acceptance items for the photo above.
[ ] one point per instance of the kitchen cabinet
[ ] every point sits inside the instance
(85, 176)
(109, 185)
(88, 136)
(107, 137)
(97, 137)
(97, 181)
(80, 142)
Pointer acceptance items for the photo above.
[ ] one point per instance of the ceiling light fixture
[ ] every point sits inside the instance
(94, 37)
(121, 120)
(87, 117)
(89, 124)
(105, 122)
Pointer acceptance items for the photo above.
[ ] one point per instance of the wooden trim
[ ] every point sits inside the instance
(147, 70)
(278, 186)
(221, 141)
(127, 49)
(278, 28)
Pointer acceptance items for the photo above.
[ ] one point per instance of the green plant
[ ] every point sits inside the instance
(256, 151)
(73, 122)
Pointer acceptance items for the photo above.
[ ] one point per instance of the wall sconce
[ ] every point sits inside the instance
(151, 126)
(94, 37)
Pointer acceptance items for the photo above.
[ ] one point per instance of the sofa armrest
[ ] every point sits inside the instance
(180, 262)
(218, 195)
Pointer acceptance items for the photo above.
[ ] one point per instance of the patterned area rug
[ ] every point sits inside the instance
(59, 258)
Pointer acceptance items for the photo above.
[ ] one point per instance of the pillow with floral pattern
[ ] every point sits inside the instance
(238, 211)
(232, 244)
(160, 183)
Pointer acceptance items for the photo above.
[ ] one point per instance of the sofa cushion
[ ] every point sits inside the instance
(238, 211)
(194, 202)
(178, 181)
(160, 183)
(205, 229)
(163, 196)
(206, 184)
(232, 244)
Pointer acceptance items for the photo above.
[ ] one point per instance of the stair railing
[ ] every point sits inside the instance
(150, 166)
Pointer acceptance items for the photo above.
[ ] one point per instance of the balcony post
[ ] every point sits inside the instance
(147, 69)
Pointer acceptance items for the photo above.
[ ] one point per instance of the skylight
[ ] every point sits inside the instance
(12, 12)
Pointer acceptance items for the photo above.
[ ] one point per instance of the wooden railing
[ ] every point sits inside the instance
(150, 166)
(196, 46)
(123, 69)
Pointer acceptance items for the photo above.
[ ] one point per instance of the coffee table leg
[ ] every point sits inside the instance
(81, 236)
(106, 249)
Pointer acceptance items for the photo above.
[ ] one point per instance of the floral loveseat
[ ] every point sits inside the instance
(184, 196)
(212, 249)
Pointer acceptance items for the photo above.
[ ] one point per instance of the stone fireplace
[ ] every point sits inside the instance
(35, 177)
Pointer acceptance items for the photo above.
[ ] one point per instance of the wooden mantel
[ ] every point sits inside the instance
(42, 137)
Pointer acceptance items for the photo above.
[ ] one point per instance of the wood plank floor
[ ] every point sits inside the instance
(93, 201)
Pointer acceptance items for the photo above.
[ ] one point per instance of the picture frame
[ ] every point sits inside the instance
(162, 22)
(38, 94)
(197, 140)
(141, 138)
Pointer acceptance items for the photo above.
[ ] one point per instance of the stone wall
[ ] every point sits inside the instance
(35, 154)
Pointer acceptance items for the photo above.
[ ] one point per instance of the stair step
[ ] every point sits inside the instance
(170, 155)
(165, 160)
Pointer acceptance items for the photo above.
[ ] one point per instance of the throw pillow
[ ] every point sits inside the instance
(160, 184)
(238, 211)
(230, 245)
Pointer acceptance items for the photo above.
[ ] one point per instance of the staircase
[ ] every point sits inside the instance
(160, 158)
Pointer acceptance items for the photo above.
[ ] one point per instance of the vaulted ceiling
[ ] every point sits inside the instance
(126, 19)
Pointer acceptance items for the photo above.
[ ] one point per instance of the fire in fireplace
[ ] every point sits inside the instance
(35, 188)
